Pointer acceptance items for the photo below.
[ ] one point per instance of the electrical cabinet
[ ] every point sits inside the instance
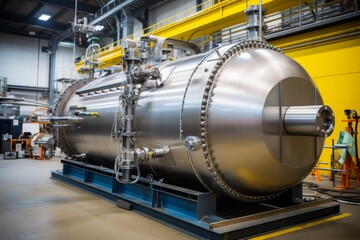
(9, 127)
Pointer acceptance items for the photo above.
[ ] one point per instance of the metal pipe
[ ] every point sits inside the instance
(52, 67)
(60, 125)
(20, 104)
(110, 12)
(67, 118)
(3, 86)
(101, 88)
(27, 88)
(315, 120)
(38, 69)
(125, 161)
(22, 100)
(299, 12)
(118, 28)
(330, 169)
(333, 161)
(260, 20)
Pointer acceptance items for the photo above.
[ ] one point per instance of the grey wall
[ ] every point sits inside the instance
(22, 61)
(169, 9)
(138, 28)
(24, 64)
(64, 62)
(163, 11)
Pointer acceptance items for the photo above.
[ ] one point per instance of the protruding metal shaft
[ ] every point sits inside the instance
(315, 120)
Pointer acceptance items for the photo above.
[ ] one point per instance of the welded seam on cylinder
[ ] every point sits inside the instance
(207, 96)
(196, 173)
(57, 103)
(315, 138)
(281, 126)
(186, 90)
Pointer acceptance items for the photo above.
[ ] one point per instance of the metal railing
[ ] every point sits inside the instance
(294, 18)
(180, 16)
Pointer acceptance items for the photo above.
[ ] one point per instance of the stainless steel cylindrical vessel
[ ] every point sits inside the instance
(230, 105)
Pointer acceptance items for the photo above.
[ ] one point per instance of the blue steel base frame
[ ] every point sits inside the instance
(192, 212)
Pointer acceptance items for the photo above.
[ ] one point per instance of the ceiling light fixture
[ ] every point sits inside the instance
(66, 44)
(98, 28)
(44, 17)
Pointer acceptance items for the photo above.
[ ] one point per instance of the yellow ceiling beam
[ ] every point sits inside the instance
(214, 18)
(217, 17)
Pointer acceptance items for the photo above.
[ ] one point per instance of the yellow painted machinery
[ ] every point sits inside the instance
(187, 25)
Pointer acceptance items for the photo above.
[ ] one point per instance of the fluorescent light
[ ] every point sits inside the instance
(66, 44)
(98, 28)
(44, 17)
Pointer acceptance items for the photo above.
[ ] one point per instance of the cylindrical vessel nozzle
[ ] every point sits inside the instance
(126, 175)
(315, 120)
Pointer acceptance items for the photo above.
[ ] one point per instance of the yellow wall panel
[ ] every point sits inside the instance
(335, 67)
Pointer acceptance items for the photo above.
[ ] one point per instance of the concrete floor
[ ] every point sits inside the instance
(33, 206)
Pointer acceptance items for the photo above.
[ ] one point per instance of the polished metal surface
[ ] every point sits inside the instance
(44, 139)
(91, 135)
(309, 120)
(255, 22)
(43, 145)
(109, 83)
(234, 101)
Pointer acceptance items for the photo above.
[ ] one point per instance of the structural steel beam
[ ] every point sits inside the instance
(107, 11)
(32, 21)
(35, 10)
(127, 22)
(101, 4)
(27, 88)
(67, 33)
(25, 33)
(221, 15)
(70, 5)
(148, 4)
(224, 14)
(144, 22)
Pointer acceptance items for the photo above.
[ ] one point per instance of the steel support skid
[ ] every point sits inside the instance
(195, 213)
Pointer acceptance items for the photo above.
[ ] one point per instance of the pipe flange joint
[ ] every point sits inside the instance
(192, 143)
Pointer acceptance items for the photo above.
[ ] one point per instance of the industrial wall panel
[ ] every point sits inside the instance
(22, 61)
(334, 66)
(64, 62)
(138, 27)
(169, 9)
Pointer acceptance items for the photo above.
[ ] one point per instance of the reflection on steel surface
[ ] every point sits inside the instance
(255, 120)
